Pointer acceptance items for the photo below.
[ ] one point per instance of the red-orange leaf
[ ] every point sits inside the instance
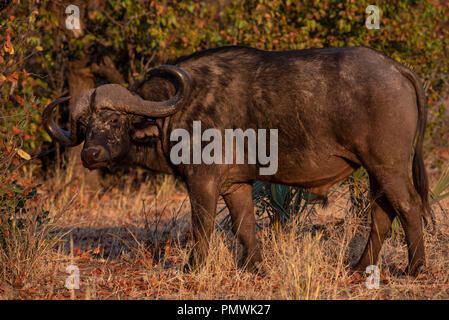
(13, 77)
(8, 46)
(20, 100)
(16, 131)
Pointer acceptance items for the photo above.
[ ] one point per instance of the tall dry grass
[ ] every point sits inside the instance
(28, 233)
(131, 243)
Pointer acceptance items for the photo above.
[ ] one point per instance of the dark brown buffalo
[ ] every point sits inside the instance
(335, 110)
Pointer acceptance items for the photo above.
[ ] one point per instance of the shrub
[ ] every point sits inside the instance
(25, 226)
(136, 35)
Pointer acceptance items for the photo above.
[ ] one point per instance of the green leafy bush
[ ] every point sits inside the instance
(136, 35)
(26, 230)
(140, 34)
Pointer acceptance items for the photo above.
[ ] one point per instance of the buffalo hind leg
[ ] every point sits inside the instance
(406, 202)
(382, 215)
(240, 205)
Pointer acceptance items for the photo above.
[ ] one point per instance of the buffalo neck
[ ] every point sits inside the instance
(149, 156)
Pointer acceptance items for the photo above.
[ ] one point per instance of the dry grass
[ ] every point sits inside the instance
(132, 244)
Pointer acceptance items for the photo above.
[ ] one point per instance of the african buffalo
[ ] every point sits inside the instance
(335, 110)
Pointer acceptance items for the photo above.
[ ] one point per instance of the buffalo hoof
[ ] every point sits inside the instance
(356, 269)
(395, 271)
(256, 268)
(419, 272)
(190, 267)
(187, 268)
(355, 277)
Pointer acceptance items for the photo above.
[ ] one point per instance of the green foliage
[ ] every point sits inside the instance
(438, 192)
(20, 42)
(140, 34)
(281, 203)
(15, 202)
(18, 203)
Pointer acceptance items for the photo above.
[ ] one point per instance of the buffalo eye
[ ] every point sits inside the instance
(114, 119)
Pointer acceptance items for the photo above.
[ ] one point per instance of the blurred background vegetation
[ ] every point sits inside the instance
(120, 40)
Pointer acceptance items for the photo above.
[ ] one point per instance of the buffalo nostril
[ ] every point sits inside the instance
(90, 155)
(94, 153)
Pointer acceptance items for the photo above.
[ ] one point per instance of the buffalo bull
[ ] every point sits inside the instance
(334, 109)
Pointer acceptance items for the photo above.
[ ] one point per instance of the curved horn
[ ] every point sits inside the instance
(119, 98)
(68, 138)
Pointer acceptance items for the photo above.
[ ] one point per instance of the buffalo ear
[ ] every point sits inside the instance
(145, 131)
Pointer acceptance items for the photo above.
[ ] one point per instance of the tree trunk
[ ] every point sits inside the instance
(80, 79)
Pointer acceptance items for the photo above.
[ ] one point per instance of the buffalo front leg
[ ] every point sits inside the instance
(203, 198)
(241, 208)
